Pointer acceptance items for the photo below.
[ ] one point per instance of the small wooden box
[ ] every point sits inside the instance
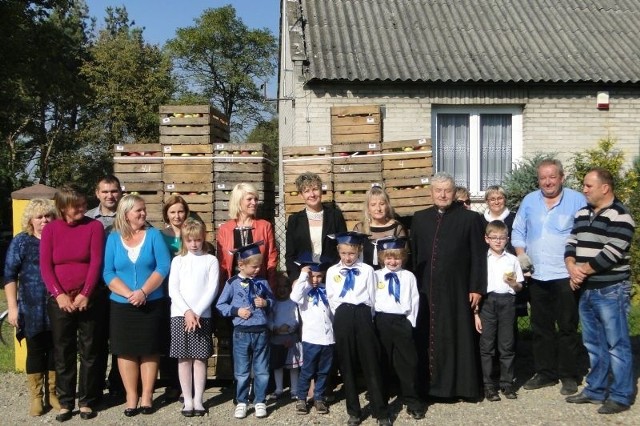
(407, 158)
(192, 124)
(351, 124)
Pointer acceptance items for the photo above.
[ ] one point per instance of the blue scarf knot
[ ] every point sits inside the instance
(350, 279)
(319, 293)
(394, 285)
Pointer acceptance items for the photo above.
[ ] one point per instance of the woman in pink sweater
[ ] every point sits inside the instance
(71, 252)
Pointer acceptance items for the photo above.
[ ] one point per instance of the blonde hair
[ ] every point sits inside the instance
(494, 190)
(400, 253)
(36, 207)
(238, 193)
(496, 226)
(66, 196)
(172, 200)
(375, 191)
(125, 205)
(192, 228)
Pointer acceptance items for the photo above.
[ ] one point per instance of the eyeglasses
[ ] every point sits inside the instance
(495, 200)
(497, 238)
(467, 202)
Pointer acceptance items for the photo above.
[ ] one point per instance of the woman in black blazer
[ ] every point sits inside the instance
(307, 230)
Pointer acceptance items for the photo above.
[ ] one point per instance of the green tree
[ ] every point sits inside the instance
(605, 155)
(266, 132)
(129, 79)
(223, 60)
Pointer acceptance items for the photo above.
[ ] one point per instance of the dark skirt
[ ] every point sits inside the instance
(138, 331)
(196, 344)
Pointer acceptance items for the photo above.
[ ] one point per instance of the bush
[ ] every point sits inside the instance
(523, 179)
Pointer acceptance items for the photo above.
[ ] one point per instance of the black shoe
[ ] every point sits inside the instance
(491, 394)
(199, 413)
(87, 415)
(612, 407)
(187, 413)
(130, 412)
(509, 393)
(581, 398)
(539, 381)
(569, 386)
(416, 414)
(321, 407)
(354, 421)
(147, 410)
(64, 416)
(385, 421)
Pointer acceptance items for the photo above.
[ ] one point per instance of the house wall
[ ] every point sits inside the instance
(557, 118)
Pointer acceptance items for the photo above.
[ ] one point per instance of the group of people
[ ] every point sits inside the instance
(435, 308)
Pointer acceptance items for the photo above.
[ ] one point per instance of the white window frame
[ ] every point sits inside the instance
(474, 112)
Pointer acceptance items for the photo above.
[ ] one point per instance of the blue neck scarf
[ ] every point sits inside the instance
(256, 288)
(350, 279)
(394, 285)
(319, 293)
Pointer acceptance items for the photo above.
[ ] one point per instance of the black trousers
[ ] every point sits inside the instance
(498, 315)
(555, 354)
(101, 293)
(399, 352)
(78, 334)
(40, 353)
(357, 345)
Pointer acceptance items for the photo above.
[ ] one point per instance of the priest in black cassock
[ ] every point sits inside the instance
(450, 263)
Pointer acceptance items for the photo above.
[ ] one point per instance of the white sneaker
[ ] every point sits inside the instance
(261, 410)
(241, 411)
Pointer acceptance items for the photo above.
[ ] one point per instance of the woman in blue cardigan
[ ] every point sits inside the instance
(136, 262)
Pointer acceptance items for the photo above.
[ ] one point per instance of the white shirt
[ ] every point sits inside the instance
(409, 296)
(364, 289)
(317, 320)
(497, 266)
(193, 284)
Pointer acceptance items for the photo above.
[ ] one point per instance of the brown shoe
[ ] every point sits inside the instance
(301, 407)
(321, 407)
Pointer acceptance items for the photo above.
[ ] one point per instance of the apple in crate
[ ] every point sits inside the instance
(344, 154)
(134, 154)
(185, 154)
(236, 152)
(255, 152)
(293, 193)
(223, 153)
(348, 192)
(245, 153)
(407, 148)
(178, 115)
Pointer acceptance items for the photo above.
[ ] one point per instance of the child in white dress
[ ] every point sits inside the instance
(286, 346)
(193, 282)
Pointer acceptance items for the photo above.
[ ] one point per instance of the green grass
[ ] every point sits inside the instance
(6, 352)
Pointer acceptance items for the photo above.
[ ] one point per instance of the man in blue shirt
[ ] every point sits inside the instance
(540, 231)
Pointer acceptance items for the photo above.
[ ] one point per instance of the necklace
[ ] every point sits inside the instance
(314, 215)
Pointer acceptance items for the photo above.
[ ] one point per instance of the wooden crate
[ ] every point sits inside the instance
(240, 152)
(192, 124)
(187, 164)
(220, 364)
(357, 163)
(302, 159)
(407, 158)
(138, 162)
(351, 124)
(409, 195)
(243, 172)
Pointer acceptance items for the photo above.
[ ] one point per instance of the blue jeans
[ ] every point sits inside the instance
(317, 362)
(251, 351)
(605, 333)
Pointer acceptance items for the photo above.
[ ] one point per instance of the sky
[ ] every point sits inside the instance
(161, 18)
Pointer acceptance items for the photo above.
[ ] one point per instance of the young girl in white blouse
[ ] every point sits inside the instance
(193, 282)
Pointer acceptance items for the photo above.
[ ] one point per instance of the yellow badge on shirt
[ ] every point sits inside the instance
(244, 284)
(381, 285)
(337, 278)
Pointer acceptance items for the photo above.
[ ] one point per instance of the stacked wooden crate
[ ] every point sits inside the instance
(139, 169)
(302, 159)
(188, 135)
(242, 163)
(356, 133)
(407, 167)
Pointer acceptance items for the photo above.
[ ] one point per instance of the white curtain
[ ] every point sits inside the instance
(453, 146)
(495, 148)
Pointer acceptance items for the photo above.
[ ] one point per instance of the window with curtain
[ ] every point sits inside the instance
(477, 145)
